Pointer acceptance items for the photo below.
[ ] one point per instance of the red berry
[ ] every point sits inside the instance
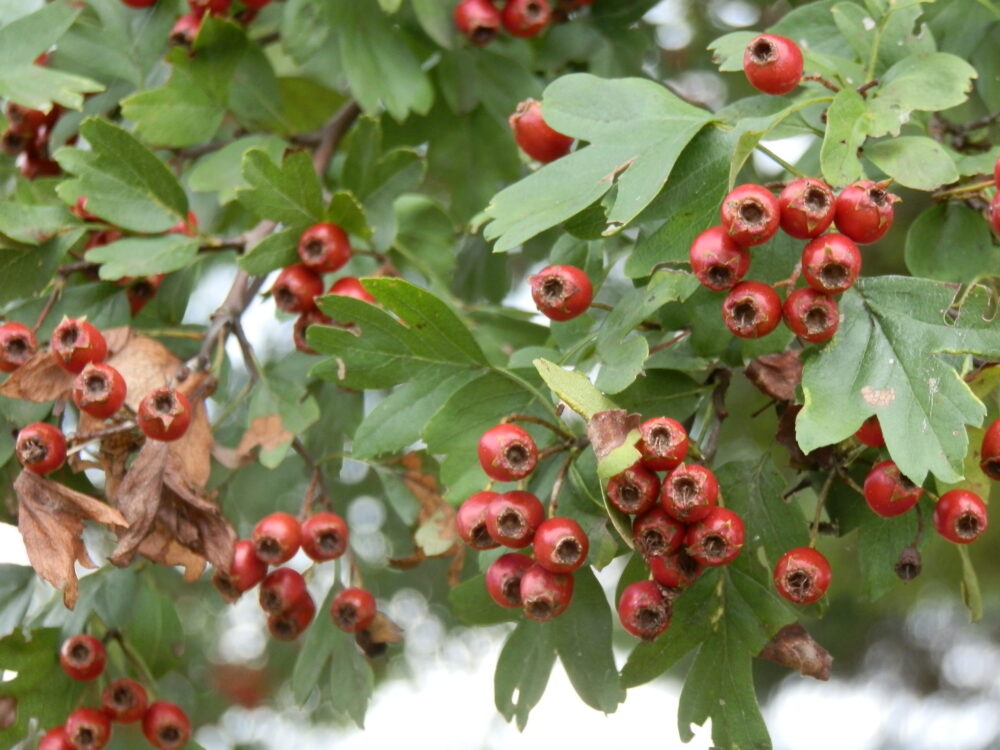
(675, 571)
(471, 520)
(526, 18)
(643, 611)
(773, 64)
(215, 7)
(166, 726)
(185, 30)
(256, 4)
(349, 286)
(290, 624)
(993, 214)
(513, 517)
(865, 211)
(24, 121)
(561, 292)
(534, 136)
(276, 538)
(139, 3)
(802, 575)
(33, 163)
(960, 516)
(88, 729)
(353, 610)
(663, 443)
(717, 261)
(296, 289)
(807, 207)
(635, 490)
(82, 657)
(813, 316)
(164, 414)
(689, 493)
(870, 433)
(187, 226)
(245, 572)
(281, 590)
(751, 310)
(503, 579)
(99, 390)
(324, 536)
(717, 539)
(560, 545)
(17, 345)
(544, 594)
(656, 534)
(989, 454)
(507, 453)
(996, 172)
(55, 739)
(306, 319)
(478, 20)
(141, 291)
(750, 215)
(831, 263)
(124, 700)
(888, 492)
(41, 448)
(76, 343)
(324, 247)
(102, 238)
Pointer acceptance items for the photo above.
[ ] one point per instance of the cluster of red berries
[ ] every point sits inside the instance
(186, 28)
(323, 248)
(27, 136)
(124, 701)
(533, 134)
(480, 20)
(283, 592)
(830, 263)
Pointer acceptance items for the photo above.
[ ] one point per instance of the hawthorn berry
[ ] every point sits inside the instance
(656, 534)
(99, 390)
(306, 319)
(324, 536)
(663, 443)
(55, 739)
(807, 207)
(960, 516)
(802, 575)
(245, 571)
(41, 448)
(989, 453)
(643, 611)
(296, 289)
(503, 579)
(276, 538)
(717, 539)
(140, 291)
(324, 247)
(870, 433)
(773, 64)
(526, 18)
(689, 493)
(76, 343)
(88, 729)
(544, 594)
(353, 610)
(350, 286)
(996, 172)
(290, 624)
(478, 20)
(215, 7)
(751, 310)
(256, 4)
(17, 345)
(676, 571)
(184, 31)
(887, 492)
(534, 136)
(634, 491)
(124, 700)
(281, 590)
(831, 263)
(166, 726)
(813, 316)
(864, 211)
(561, 292)
(23, 120)
(560, 545)
(139, 3)
(164, 414)
(507, 453)
(993, 214)
(513, 517)
(471, 520)
(750, 215)
(82, 657)
(717, 261)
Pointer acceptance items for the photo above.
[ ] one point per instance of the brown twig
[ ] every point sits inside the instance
(670, 342)
(222, 321)
(865, 87)
(539, 421)
(558, 483)
(317, 489)
(332, 133)
(822, 81)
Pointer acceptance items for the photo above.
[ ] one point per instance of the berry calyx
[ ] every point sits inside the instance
(717, 261)
(864, 211)
(281, 590)
(324, 536)
(717, 539)
(689, 493)
(751, 310)
(141, 291)
(350, 286)
(526, 18)
(471, 520)
(245, 571)
(750, 215)
(887, 492)
(960, 516)
(544, 594)
(353, 610)
(82, 657)
(773, 64)
(41, 448)
(513, 517)
(296, 289)
(17, 345)
(99, 390)
(276, 538)
(166, 726)
(813, 316)
(478, 20)
(124, 700)
(635, 490)
(290, 624)
(663, 443)
(88, 729)
(55, 739)
(831, 263)
(870, 433)
(807, 207)
(324, 247)
(503, 579)
(534, 136)
(989, 453)
(656, 534)
(675, 571)
(802, 575)
(643, 611)
(560, 545)
(164, 414)
(507, 453)
(76, 343)
(561, 292)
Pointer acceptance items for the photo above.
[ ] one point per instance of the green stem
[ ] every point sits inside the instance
(778, 160)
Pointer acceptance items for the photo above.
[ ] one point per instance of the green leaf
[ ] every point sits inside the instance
(289, 193)
(620, 458)
(317, 646)
(155, 630)
(573, 388)
(880, 540)
(275, 398)
(951, 242)
(222, 172)
(277, 250)
(523, 669)
(971, 594)
(846, 129)
(473, 605)
(27, 269)
(351, 678)
(425, 236)
(144, 256)
(435, 19)
(914, 161)
(727, 51)
(33, 224)
(16, 588)
(345, 211)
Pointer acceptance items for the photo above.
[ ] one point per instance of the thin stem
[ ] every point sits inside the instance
(822, 81)
(49, 304)
(539, 421)
(864, 88)
(820, 504)
(317, 489)
(779, 161)
(972, 187)
(553, 449)
(225, 317)
(332, 133)
(558, 483)
(137, 661)
(670, 342)
(100, 434)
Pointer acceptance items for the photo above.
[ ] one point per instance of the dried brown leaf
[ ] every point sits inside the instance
(776, 375)
(39, 379)
(794, 648)
(138, 498)
(265, 432)
(384, 630)
(821, 458)
(159, 546)
(145, 364)
(608, 429)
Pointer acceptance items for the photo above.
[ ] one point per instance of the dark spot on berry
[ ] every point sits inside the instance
(568, 551)
(17, 347)
(816, 319)
(270, 601)
(141, 290)
(164, 402)
(906, 484)
(660, 439)
(539, 608)
(285, 298)
(314, 249)
(816, 200)
(84, 738)
(32, 451)
(80, 653)
(799, 584)
(650, 619)
(481, 538)
(330, 542)
(720, 275)
(169, 734)
(511, 524)
(752, 213)
(687, 564)
(516, 455)
(629, 495)
(268, 548)
(553, 290)
(763, 52)
(68, 336)
(833, 274)
(991, 468)
(878, 196)
(347, 615)
(533, 11)
(967, 526)
(96, 385)
(685, 490)
(745, 313)
(715, 546)
(123, 697)
(483, 35)
(511, 589)
(651, 543)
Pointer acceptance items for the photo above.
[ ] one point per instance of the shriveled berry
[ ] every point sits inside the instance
(887, 492)
(534, 136)
(296, 289)
(41, 448)
(290, 624)
(353, 610)
(324, 247)
(76, 343)
(350, 286)
(960, 516)
(471, 520)
(813, 316)
(324, 536)
(88, 729)
(166, 726)
(526, 18)
(281, 590)
(989, 453)
(751, 310)
(561, 292)
(55, 739)
(124, 700)
(865, 211)
(82, 657)
(675, 571)
(276, 538)
(656, 534)
(99, 390)
(663, 443)
(802, 575)
(870, 433)
(245, 572)
(807, 207)
(643, 610)
(164, 414)
(831, 263)
(635, 490)
(750, 215)
(513, 517)
(560, 545)
(17, 345)
(545, 595)
(717, 539)
(773, 64)
(689, 493)
(503, 579)
(717, 261)
(478, 20)
(507, 453)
